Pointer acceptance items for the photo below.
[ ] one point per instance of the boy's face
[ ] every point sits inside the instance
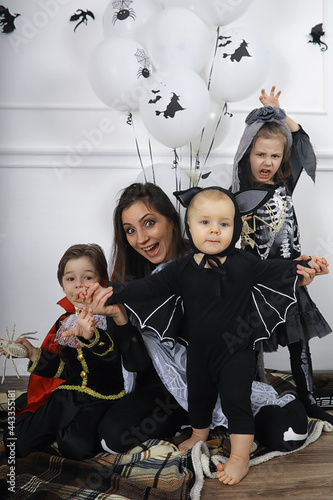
(77, 273)
(211, 223)
(265, 159)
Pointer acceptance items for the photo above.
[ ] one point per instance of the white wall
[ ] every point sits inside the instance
(64, 156)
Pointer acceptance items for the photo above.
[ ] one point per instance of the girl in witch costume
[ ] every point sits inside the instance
(223, 289)
(88, 369)
(272, 153)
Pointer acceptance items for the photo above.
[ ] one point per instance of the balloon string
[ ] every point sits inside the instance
(209, 83)
(224, 111)
(175, 167)
(213, 61)
(214, 136)
(151, 161)
(130, 121)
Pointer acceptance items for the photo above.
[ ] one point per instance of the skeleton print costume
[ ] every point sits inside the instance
(273, 233)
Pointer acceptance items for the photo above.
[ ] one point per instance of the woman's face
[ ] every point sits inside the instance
(148, 232)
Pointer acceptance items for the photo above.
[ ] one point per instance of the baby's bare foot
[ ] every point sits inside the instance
(233, 471)
(197, 435)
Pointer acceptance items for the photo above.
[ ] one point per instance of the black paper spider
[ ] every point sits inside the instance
(143, 59)
(123, 13)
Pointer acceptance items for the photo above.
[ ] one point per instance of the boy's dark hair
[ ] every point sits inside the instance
(93, 252)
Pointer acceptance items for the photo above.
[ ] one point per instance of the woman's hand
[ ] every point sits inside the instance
(95, 297)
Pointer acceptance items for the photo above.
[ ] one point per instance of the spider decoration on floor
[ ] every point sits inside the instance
(123, 13)
(10, 349)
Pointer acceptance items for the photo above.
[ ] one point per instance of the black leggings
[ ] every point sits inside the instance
(138, 417)
(68, 417)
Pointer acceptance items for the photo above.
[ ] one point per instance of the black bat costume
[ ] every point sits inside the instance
(227, 309)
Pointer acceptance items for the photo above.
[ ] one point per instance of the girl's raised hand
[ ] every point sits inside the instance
(272, 99)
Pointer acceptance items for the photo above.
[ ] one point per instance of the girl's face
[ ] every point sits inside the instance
(148, 232)
(265, 159)
(77, 273)
(211, 223)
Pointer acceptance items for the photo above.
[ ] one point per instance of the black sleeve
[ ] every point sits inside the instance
(302, 156)
(130, 343)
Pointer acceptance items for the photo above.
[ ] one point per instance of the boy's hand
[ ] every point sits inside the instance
(31, 350)
(84, 325)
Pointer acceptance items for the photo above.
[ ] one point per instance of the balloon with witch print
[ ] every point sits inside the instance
(117, 71)
(175, 107)
(239, 66)
(129, 18)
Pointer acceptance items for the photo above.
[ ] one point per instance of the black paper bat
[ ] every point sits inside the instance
(316, 32)
(153, 101)
(7, 20)
(82, 17)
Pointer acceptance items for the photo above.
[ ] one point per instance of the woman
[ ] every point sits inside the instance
(147, 237)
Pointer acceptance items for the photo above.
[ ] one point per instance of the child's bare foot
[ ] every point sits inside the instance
(233, 471)
(197, 435)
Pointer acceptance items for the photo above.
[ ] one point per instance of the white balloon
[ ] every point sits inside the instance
(176, 106)
(129, 19)
(215, 130)
(178, 37)
(117, 69)
(239, 66)
(166, 177)
(213, 12)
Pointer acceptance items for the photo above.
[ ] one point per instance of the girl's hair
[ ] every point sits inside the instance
(128, 263)
(90, 250)
(274, 130)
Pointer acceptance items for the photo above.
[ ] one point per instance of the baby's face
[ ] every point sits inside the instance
(211, 223)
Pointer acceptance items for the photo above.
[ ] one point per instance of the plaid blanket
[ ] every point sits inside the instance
(155, 470)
